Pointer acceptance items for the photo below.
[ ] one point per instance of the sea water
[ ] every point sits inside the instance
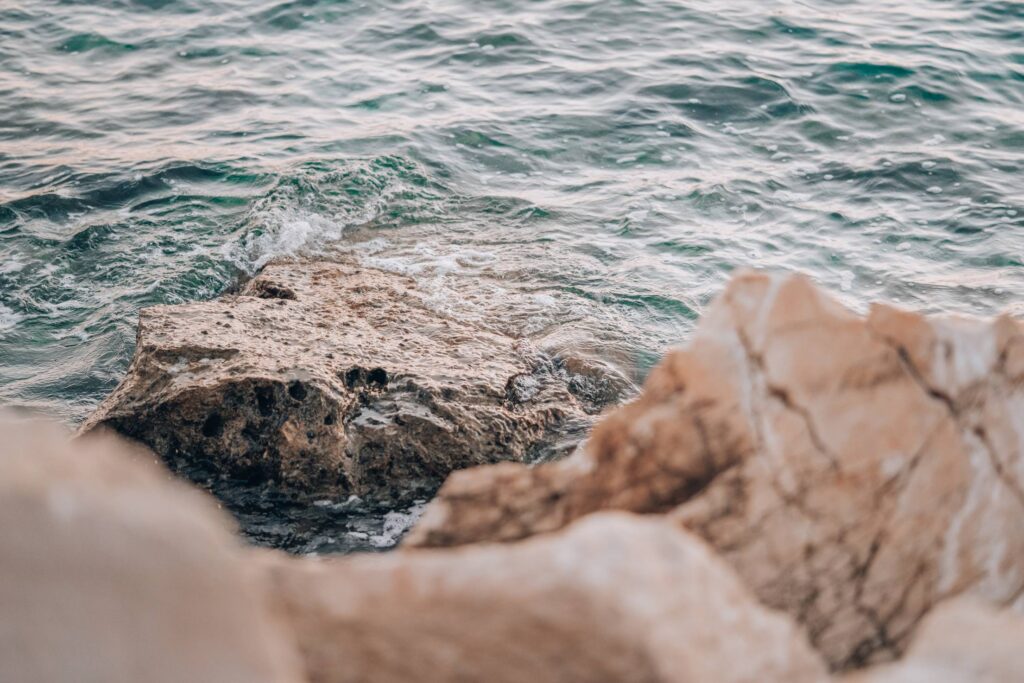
(585, 175)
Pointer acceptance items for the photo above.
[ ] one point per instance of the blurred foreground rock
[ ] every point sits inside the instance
(613, 598)
(110, 572)
(853, 470)
(335, 378)
(959, 642)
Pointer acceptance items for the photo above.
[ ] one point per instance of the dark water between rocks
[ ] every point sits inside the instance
(603, 165)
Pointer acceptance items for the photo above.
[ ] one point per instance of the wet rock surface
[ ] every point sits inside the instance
(855, 471)
(307, 523)
(337, 379)
(613, 598)
(112, 571)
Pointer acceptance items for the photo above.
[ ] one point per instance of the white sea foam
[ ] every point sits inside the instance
(8, 319)
(399, 266)
(289, 232)
(293, 233)
(343, 505)
(11, 264)
(397, 523)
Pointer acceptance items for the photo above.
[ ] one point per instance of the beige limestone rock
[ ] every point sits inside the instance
(614, 598)
(961, 641)
(110, 572)
(854, 470)
(333, 377)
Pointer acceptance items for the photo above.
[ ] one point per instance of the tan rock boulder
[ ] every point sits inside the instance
(111, 572)
(333, 377)
(613, 598)
(853, 470)
(961, 641)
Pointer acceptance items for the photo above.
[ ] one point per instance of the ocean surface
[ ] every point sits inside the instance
(584, 174)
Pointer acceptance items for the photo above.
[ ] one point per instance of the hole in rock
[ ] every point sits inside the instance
(265, 400)
(353, 377)
(268, 290)
(214, 426)
(378, 377)
(297, 390)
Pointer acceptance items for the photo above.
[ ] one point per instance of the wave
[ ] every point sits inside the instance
(313, 205)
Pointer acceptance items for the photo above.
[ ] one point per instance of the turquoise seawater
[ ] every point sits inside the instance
(594, 170)
(585, 174)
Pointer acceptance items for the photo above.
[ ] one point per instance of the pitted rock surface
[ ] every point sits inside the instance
(854, 470)
(337, 378)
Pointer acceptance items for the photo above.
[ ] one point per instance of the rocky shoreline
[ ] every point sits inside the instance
(854, 470)
(335, 378)
(800, 493)
(327, 386)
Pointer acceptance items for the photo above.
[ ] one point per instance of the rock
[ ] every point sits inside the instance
(335, 378)
(110, 571)
(961, 641)
(613, 598)
(853, 470)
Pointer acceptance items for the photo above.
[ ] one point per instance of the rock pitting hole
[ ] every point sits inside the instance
(353, 376)
(214, 426)
(265, 400)
(297, 390)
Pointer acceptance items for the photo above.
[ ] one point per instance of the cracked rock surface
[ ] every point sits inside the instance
(336, 378)
(111, 570)
(854, 470)
(615, 597)
(961, 641)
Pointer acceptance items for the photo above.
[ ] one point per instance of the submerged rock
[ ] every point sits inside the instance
(854, 471)
(961, 641)
(613, 598)
(111, 571)
(335, 378)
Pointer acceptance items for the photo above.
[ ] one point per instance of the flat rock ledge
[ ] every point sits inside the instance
(854, 471)
(331, 377)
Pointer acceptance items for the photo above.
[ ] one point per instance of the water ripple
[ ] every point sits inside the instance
(584, 173)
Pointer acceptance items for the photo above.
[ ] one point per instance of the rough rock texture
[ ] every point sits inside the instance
(332, 377)
(614, 598)
(853, 470)
(961, 641)
(111, 572)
